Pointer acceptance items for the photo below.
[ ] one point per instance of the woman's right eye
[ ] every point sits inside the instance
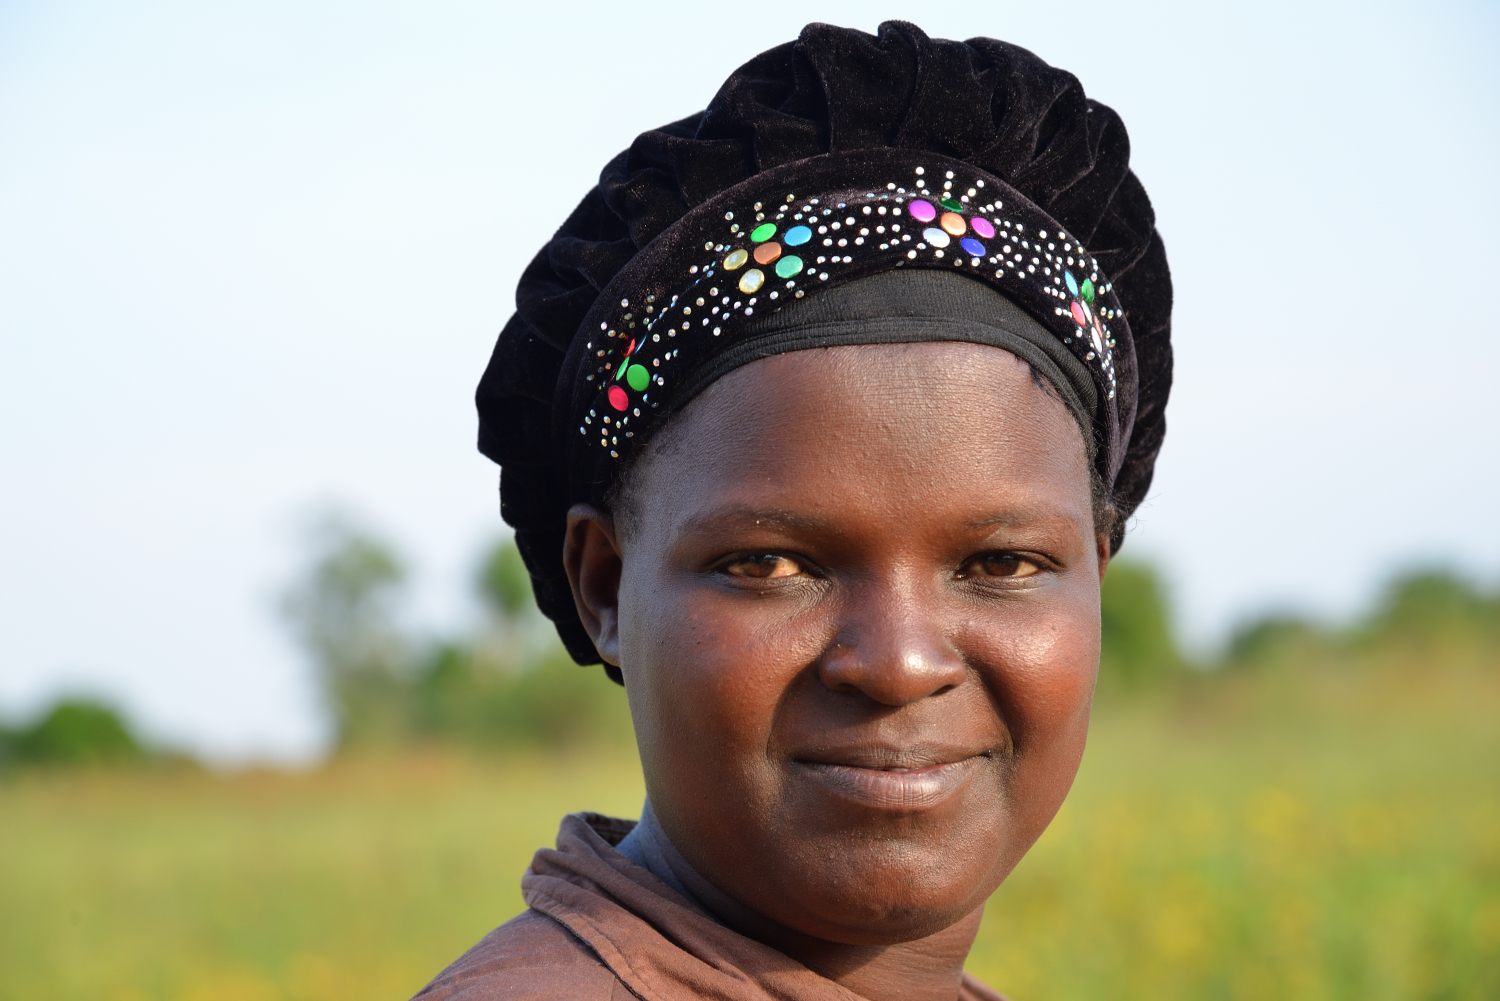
(762, 566)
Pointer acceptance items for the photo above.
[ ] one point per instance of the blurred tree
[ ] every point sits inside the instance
(343, 611)
(1277, 638)
(1429, 608)
(1434, 600)
(514, 636)
(74, 732)
(549, 702)
(1138, 649)
(504, 582)
(1422, 618)
(513, 683)
(509, 683)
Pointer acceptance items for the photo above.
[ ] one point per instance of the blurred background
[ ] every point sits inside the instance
(277, 716)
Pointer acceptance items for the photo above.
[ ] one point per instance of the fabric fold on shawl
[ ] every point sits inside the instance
(648, 846)
(602, 927)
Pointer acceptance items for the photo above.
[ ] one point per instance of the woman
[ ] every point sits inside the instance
(818, 423)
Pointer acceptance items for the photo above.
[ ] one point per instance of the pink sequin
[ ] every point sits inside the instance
(617, 398)
(922, 211)
(1076, 307)
(982, 226)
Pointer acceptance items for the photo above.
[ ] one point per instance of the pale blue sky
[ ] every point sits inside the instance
(253, 258)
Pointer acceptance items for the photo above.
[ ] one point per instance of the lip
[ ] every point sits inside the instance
(893, 786)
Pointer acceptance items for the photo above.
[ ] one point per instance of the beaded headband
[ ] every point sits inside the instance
(697, 287)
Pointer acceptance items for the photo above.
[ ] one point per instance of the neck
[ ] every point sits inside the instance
(925, 969)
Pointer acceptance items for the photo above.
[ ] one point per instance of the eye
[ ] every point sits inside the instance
(762, 566)
(1007, 565)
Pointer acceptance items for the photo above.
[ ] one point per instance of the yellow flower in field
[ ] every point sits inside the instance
(237, 985)
(1487, 928)
(1274, 812)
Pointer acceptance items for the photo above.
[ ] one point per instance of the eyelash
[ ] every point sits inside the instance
(744, 558)
(1022, 561)
(1037, 566)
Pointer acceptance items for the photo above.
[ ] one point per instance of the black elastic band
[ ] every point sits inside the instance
(903, 307)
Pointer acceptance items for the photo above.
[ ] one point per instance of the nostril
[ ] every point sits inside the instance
(891, 676)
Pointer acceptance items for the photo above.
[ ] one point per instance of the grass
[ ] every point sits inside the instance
(1252, 843)
(359, 880)
(1267, 834)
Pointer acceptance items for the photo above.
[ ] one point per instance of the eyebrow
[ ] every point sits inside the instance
(776, 518)
(1019, 518)
(1007, 519)
(769, 517)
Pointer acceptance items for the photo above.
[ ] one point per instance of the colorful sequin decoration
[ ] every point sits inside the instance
(915, 219)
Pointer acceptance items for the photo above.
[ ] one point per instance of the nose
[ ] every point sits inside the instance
(894, 652)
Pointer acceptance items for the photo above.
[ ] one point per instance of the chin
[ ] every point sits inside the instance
(880, 894)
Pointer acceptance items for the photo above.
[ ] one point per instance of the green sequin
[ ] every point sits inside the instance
(1088, 291)
(638, 377)
(763, 232)
(951, 204)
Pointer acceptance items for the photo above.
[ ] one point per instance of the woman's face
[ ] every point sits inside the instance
(854, 593)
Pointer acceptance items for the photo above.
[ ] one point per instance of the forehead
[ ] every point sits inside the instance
(870, 431)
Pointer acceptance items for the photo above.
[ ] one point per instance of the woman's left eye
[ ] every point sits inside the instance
(763, 566)
(1007, 565)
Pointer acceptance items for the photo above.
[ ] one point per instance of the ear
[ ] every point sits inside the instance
(1101, 543)
(593, 560)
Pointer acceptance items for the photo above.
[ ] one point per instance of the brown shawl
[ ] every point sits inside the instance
(601, 928)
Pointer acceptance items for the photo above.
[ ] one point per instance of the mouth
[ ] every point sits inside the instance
(894, 781)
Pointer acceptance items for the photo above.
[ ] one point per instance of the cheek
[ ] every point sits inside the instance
(705, 672)
(1041, 669)
(1051, 661)
(1039, 661)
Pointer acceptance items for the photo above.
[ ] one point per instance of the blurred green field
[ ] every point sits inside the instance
(1270, 839)
(1276, 833)
(358, 880)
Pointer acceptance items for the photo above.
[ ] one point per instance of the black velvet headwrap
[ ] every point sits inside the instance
(819, 165)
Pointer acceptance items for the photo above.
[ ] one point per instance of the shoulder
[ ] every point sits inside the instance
(529, 958)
